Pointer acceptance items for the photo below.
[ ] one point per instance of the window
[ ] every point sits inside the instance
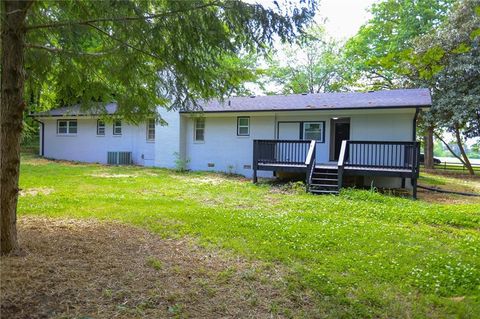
(151, 130)
(66, 127)
(243, 126)
(117, 127)
(100, 127)
(313, 131)
(199, 134)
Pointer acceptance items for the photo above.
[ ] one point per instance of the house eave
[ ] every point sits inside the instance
(310, 109)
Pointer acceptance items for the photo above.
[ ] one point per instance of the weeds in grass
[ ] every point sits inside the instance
(362, 253)
(154, 263)
(180, 163)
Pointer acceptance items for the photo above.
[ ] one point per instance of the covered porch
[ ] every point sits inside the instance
(355, 158)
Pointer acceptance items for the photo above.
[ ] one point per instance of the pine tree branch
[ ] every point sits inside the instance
(117, 19)
(123, 42)
(59, 50)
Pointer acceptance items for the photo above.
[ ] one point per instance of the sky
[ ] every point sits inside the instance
(343, 17)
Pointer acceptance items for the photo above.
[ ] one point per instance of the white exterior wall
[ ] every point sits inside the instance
(223, 148)
(86, 146)
(170, 139)
(382, 127)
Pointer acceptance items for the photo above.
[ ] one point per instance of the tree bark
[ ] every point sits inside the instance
(466, 161)
(12, 106)
(428, 152)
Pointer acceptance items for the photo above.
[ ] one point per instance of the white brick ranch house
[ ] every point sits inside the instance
(331, 137)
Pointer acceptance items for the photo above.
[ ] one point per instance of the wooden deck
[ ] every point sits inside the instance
(349, 170)
(377, 171)
(361, 158)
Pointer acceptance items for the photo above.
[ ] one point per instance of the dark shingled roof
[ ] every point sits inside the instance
(404, 98)
(75, 110)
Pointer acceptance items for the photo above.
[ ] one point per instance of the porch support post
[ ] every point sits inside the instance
(255, 161)
(414, 184)
(403, 182)
(340, 177)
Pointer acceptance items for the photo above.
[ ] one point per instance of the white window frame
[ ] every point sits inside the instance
(196, 129)
(68, 127)
(150, 130)
(115, 126)
(322, 130)
(101, 125)
(243, 126)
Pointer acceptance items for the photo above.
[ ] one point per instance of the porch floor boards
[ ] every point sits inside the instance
(378, 169)
(303, 167)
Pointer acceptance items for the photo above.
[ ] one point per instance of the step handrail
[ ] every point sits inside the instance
(341, 163)
(310, 162)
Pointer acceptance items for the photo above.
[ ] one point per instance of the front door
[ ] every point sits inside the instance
(341, 131)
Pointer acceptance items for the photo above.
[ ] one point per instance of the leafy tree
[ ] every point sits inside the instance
(141, 54)
(378, 51)
(312, 65)
(450, 59)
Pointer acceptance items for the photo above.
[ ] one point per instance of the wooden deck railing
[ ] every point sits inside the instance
(384, 155)
(288, 153)
(293, 152)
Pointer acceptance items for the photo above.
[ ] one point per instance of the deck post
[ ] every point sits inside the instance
(414, 191)
(340, 178)
(255, 161)
(403, 182)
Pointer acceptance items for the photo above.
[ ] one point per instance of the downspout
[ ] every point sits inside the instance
(275, 126)
(42, 152)
(413, 181)
(414, 133)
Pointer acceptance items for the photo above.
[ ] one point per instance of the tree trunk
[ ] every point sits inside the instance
(466, 161)
(449, 148)
(11, 114)
(428, 152)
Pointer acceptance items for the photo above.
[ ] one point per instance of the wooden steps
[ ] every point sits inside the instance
(324, 180)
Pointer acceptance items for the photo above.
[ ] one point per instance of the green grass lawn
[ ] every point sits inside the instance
(361, 254)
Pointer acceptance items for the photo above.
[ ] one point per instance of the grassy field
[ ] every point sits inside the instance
(361, 254)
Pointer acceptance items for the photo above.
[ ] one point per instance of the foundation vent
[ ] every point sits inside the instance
(119, 158)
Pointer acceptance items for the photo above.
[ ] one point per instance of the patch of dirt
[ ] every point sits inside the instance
(73, 269)
(450, 182)
(108, 175)
(212, 178)
(444, 198)
(36, 191)
(36, 160)
(454, 174)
